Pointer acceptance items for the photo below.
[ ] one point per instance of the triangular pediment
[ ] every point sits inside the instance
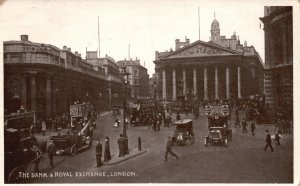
(201, 48)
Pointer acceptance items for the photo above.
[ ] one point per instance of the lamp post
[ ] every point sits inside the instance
(125, 75)
(155, 87)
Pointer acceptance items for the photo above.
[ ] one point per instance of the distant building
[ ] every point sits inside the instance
(219, 69)
(111, 71)
(152, 86)
(138, 78)
(278, 27)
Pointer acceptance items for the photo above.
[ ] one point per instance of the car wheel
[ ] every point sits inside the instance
(73, 150)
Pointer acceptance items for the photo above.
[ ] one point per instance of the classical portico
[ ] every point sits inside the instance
(208, 72)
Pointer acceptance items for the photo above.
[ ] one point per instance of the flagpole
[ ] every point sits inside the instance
(98, 37)
(199, 20)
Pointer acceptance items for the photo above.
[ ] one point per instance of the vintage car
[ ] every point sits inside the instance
(217, 135)
(72, 143)
(183, 132)
(218, 130)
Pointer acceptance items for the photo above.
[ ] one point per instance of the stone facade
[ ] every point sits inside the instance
(111, 70)
(278, 27)
(46, 79)
(138, 78)
(209, 70)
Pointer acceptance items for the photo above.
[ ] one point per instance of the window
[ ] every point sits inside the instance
(16, 57)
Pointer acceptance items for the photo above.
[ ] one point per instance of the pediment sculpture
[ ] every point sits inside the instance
(200, 50)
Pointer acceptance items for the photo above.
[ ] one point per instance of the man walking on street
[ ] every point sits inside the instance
(169, 149)
(269, 141)
(244, 124)
(252, 127)
(51, 152)
(98, 153)
(277, 137)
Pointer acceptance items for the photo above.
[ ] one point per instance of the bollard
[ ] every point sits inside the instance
(139, 144)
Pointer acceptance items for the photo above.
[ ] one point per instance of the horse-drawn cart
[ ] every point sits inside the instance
(21, 148)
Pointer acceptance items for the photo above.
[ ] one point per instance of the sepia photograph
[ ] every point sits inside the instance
(148, 91)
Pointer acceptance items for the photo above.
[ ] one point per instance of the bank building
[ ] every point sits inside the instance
(221, 68)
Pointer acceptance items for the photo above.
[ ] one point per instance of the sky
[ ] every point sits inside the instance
(147, 25)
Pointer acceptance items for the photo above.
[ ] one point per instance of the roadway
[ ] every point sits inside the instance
(244, 161)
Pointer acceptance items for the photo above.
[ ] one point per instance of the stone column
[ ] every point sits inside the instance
(24, 92)
(239, 83)
(227, 83)
(184, 81)
(33, 91)
(284, 42)
(109, 96)
(254, 85)
(195, 81)
(216, 83)
(48, 97)
(164, 93)
(205, 83)
(174, 84)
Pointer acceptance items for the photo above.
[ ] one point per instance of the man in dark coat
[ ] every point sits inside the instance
(121, 145)
(178, 116)
(252, 127)
(107, 155)
(98, 153)
(269, 141)
(154, 123)
(277, 137)
(51, 152)
(169, 149)
(244, 124)
(237, 121)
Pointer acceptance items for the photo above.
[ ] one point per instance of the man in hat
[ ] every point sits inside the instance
(277, 137)
(98, 153)
(51, 152)
(252, 127)
(107, 155)
(169, 149)
(121, 145)
(244, 124)
(269, 141)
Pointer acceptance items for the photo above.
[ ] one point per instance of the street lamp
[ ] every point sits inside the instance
(125, 75)
(155, 88)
